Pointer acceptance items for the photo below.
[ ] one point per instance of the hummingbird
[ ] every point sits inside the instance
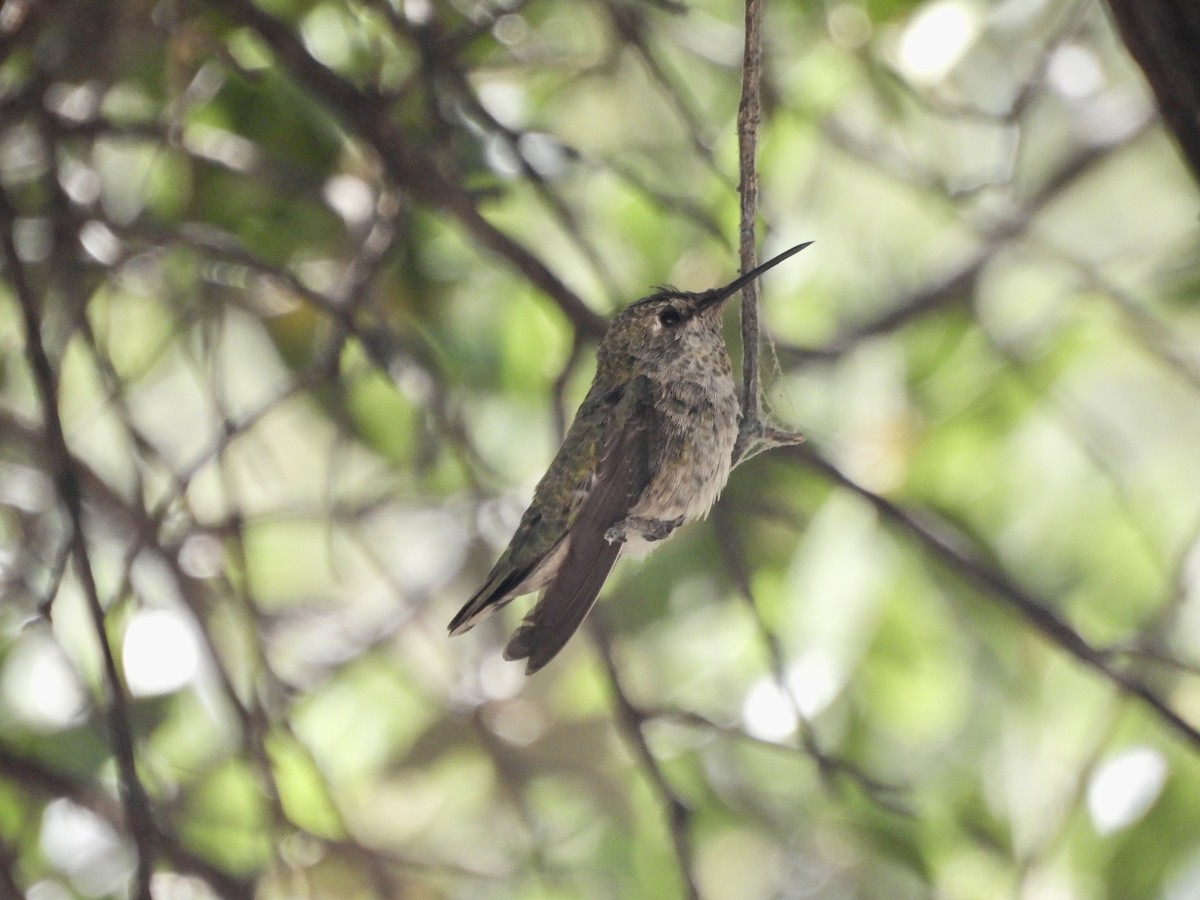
(650, 448)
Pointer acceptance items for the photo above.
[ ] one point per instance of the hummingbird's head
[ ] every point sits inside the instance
(663, 327)
(672, 325)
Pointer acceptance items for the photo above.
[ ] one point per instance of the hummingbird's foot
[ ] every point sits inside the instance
(646, 529)
(755, 437)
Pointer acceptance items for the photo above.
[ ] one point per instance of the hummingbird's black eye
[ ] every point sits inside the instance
(669, 317)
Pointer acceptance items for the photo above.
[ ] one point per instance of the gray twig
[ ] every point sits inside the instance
(754, 435)
(135, 804)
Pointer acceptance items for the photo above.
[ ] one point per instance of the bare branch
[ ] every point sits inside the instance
(366, 115)
(34, 775)
(831, 767)
(953, 550)
(754, 435)
(630, 721)
(138, 816)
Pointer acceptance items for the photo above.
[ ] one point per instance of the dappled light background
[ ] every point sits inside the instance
(320, 282)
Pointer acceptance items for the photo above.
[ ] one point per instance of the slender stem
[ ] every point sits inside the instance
(959, 555)
(754, 435)
(135, 805)
(749, 113)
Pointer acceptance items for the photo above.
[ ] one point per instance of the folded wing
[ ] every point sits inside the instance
(624, 467)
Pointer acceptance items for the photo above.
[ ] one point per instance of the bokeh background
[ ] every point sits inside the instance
(317, 284)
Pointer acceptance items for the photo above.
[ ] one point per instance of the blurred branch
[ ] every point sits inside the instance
(953, 550)
(628, 21)
(19, 18)
(169, 221)
(1162, 35)
(439, 49)
(32, 775)
(958, 285)
(681, 205)
(138, 817)
(1085, 427)
(388, 351)
(829, 766)
(1134, 649)
(1151, 642)
(630, 722)
(8, 881)
(367, 115)
(255, 721)
(1154, 335)
(882, 794)
(437, 61)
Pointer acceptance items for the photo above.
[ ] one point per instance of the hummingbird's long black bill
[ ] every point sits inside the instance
(718, 294)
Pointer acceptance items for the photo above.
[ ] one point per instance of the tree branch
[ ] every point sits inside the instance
(630, 721)
(887, 796)
(749, 112)
(754, 435)
(953, 550)
(134, 801)
(367, 115)
(33, 775)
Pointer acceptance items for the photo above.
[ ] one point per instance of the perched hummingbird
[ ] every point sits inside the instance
(650, 448)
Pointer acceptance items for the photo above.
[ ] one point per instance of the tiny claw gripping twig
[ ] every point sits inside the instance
(756, 437)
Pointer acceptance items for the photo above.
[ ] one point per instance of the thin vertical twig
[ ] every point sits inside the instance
(134, 802)
(749, 113)
(754, 435)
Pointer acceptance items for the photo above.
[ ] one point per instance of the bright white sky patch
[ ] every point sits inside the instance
(1075, 72)
(767, 713)
(770, 714)
(39, 684)
(161, 652)
(1124, 787)
(936, 39)
(81, 844)
(350, 197)
(326, 36)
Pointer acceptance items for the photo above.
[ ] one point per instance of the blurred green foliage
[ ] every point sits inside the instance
(308, 390)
